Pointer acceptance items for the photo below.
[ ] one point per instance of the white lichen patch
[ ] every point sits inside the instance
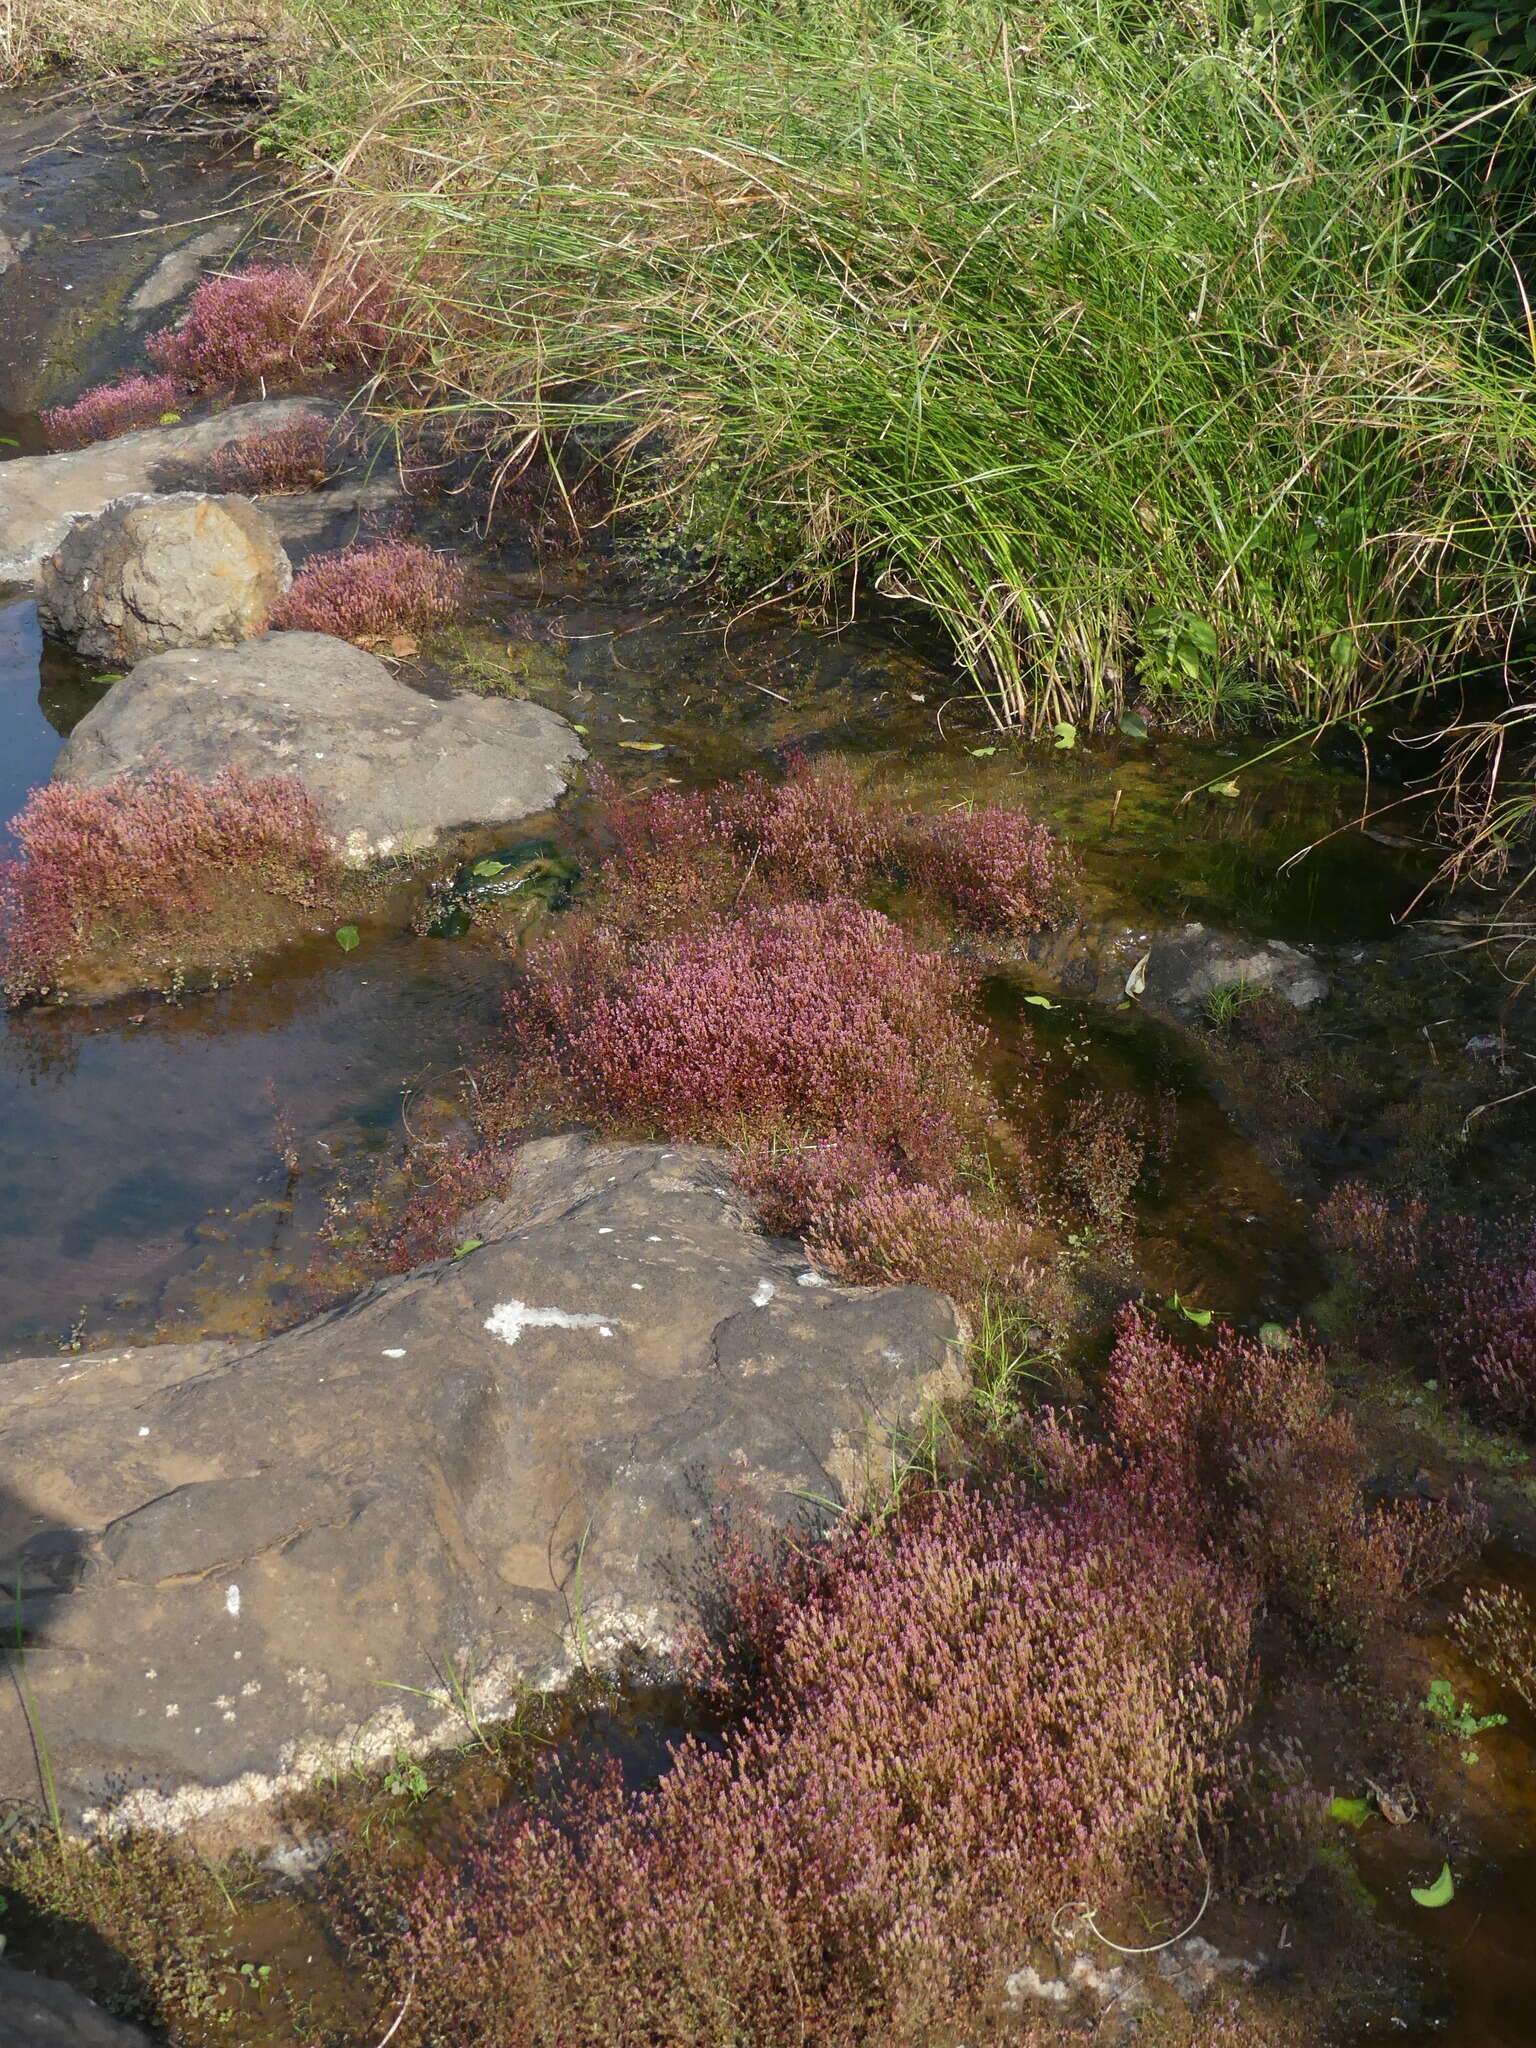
(508, 1320)
(763, 1293)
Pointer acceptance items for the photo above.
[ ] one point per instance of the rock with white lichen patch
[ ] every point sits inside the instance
(236, 1562)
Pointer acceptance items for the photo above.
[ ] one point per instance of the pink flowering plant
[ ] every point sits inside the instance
(968, 1716)
(371, 591)
(272, 323)
(1442, 1293)
(108, 410)
(728, 985)
(146, 857)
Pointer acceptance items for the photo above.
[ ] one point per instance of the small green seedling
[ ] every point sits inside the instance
(1457, 1718)
(405, 1779)
(1201, 1317)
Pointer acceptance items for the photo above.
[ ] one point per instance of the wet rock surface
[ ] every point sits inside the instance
(108, 231)
(42, 495)
(392, 769)
(147, 574)
(1175, 971)
(230, 1559)
(40, 2012)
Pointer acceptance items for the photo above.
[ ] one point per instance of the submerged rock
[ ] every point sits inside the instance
(42, 495)
(146, 574)
(237, 1563)
(393, 770)
(39, 2012)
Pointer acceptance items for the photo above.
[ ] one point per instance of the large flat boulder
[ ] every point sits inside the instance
(392, 769)
(42, 495)
(231, 1559)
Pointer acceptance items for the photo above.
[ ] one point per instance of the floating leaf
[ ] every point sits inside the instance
(1136, 980)
(347, 937)
(1440, 1893)
(1066, 734)
(577, 728)
(1133, 725)
(1354, 1812)
(486, 868)
(1225, 789)
(1042, 1002)
(1275, 1337)
(981, 753)
(644, 746)
(1199, 1316)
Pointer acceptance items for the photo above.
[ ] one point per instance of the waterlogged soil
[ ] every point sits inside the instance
(170, 1164)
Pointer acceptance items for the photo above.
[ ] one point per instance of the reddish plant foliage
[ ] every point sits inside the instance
(995, 868)
(370, 590)
(895, 1230)
(145, 854)
(1438, 1292)
(108, 410)
(293, 457)
(813, 1020)
(819, 834)
(981, 1710)
(1238, 1445)
(730, 988)
(270, 322)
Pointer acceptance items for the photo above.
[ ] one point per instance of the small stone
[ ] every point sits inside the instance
(147, 574)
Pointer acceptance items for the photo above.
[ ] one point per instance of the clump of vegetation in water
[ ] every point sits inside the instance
(296, 456)
(1238, 1444)
(272, 322)
(727, 986)
(107, 410)
(951, 1718)
(138, 866)
(371, 591)
(974, 1712)
(1456, 1298)
(1142, 348)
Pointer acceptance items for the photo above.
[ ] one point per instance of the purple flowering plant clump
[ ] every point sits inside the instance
(148, 854)
(108, 410)
(372, 590)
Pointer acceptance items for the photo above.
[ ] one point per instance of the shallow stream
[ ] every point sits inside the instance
(167, 1165)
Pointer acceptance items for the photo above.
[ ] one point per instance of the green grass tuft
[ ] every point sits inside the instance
(1123, 340)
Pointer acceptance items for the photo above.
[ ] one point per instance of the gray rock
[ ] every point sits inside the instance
(392, 769)
(39, 2012)
(148, 573)
(1173, 971)
(41, 495)
(176, 273)
(232, 1559)
(1193, 963)
(320, 522)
